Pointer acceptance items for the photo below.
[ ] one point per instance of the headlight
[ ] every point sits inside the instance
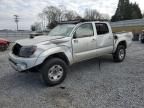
(27, 51)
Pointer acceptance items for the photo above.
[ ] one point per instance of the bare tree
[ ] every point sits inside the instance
(43, 19)
(36, 27)
(70, 15)
(95, 15)
(105, 17)
(52, 13)
(92, 14)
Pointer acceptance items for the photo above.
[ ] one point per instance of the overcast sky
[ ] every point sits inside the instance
(29, 9)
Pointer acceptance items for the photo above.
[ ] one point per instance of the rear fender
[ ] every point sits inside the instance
(119, 41)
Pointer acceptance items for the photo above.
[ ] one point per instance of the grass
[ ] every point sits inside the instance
(128, 29)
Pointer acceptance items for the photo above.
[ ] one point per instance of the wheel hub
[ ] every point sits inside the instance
(55, 73)
(121, 54)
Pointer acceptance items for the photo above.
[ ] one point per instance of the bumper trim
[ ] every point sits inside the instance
(21, 64)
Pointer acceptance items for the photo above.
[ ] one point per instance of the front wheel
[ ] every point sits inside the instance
(53, 71)
(120, 54)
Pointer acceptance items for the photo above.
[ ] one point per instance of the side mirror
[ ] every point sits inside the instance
(74, 36)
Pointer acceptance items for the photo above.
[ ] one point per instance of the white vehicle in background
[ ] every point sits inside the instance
(68, 43)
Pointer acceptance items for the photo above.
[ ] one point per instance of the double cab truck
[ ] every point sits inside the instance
(68, 43)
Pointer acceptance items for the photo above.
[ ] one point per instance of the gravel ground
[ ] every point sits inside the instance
(88, 84)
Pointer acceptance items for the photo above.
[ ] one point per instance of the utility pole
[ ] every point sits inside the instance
(16, 19)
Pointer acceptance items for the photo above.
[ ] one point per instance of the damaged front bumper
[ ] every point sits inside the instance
(21, 64)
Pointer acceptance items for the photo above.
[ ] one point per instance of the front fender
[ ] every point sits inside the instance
(63, 49)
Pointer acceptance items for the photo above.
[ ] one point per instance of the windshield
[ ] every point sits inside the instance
(62, 30)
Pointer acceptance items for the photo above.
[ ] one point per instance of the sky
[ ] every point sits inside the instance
(28, 9)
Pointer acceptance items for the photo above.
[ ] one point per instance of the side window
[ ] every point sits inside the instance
(102, 28)
(84, 30)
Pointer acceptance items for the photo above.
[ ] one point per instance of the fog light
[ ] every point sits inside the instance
(21, 67)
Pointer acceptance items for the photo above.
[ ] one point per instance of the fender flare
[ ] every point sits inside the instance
(53, 51)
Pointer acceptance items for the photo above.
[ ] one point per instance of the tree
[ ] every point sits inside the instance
(33, 28)
(36, 27)
(135, 11)
(52, 25)
(95, 15)
(70, 15)
(91, 14)
(105, 17)
(43, 20)
(78, 17)
(126, 11)
(52, 13)
(143, 15)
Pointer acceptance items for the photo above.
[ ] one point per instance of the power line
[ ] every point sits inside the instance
(16, 19)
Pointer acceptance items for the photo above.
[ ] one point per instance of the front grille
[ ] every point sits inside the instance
(16, 49)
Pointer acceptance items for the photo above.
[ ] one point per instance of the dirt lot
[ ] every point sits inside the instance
(88, 85)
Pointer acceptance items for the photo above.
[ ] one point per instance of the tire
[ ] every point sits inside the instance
(53, 71)
(120, 54)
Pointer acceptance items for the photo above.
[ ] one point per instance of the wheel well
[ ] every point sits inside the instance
(123, 43)
(59, 55)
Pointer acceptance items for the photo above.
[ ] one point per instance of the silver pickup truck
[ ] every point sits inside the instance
(68, 43)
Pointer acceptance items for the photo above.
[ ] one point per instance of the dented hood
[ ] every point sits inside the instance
(37, 40)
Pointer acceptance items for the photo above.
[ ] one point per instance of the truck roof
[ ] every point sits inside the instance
(81, 21)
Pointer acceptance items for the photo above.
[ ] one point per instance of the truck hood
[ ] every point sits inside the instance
(37, 40)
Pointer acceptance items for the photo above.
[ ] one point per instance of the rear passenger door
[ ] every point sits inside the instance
(104, 38)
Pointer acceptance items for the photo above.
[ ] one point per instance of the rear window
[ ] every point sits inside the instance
(102, 28)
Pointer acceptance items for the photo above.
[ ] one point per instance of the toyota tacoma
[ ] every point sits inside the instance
(68, 43)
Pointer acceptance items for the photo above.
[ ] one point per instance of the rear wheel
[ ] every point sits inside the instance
(53, 71)
(120, 53)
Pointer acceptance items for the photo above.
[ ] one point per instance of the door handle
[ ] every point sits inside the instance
(75, 41)
(93, 39)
